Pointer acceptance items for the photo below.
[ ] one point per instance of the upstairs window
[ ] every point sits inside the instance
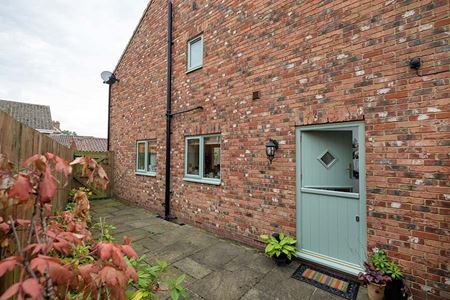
(146, 157)
(202, 159)
(195, 53)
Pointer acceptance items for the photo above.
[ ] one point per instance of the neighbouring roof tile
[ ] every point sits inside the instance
(33, 115)
(81, 143)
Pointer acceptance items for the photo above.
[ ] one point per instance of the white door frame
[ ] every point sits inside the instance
(322, 259)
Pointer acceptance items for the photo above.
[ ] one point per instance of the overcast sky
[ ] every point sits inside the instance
(53, 51)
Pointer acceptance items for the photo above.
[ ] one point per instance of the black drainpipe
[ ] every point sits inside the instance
(169, 115)
(167, 214)
(109, 115)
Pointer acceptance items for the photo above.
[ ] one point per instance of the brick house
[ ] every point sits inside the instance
(363, 156)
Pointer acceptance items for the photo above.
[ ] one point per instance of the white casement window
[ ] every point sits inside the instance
(195, 53)
(202, 159)
(146, 157)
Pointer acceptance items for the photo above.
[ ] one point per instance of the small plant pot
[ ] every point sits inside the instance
(394, 290)
(281, 260)
(376, 291)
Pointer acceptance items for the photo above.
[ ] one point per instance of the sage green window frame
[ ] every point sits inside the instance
(200, 178)
(144, 171)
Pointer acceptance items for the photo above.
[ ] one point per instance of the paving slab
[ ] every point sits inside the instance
(362, 293)
(226, 285)
(323, 295)
(108, 209)
(144, 222)
(121, 229)
(255, 294)
(193, 268)
(218, 255)
(253, 260)
(279, 284)
(147, 243)
(137, 234)
(173, 272)
(176, 251)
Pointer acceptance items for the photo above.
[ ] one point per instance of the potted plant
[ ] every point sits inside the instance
(395, 289)
(375, 280)
(280, 247)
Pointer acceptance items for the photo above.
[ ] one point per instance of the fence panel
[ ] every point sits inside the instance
(19, 142)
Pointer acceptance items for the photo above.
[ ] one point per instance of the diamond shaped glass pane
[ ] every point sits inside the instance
(327, 158)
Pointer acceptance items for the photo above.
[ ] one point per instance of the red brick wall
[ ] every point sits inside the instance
(313, 62)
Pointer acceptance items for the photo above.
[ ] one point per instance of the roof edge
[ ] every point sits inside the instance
(29, 103)
(134, 33)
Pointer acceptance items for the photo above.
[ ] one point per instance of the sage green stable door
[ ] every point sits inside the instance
(329, 206)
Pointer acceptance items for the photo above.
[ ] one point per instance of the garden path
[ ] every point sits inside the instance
(215, 268)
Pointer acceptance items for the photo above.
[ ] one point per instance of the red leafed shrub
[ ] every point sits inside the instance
(59, 259)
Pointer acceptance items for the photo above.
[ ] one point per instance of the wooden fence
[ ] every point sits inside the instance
(19, 142)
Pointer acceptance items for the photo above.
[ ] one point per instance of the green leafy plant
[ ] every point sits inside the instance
(70, 206)
(383, 263)
(80, 189)
(379, 259)
(149, 280)
(284, 244)
(80, 255)
(104, 230)
(393, 270)
(176, 289)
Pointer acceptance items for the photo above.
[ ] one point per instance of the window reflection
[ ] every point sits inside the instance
(151, 156)
(141, 156)
(193, 153)
(211, 167)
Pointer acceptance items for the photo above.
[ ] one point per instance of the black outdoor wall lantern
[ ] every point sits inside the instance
(271, 148)
(416, 64)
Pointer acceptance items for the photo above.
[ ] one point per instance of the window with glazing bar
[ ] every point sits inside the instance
(146, 157)
(202, 159)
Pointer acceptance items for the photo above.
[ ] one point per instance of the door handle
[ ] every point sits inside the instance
(350, 170)
(357, 218)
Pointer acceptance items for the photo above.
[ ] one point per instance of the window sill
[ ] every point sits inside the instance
(203, 180)
(194, 69)
(151, 174)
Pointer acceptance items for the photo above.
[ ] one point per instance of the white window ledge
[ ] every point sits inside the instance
(194, 69)
(143, 173)
(203, 180)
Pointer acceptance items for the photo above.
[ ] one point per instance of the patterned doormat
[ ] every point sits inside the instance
(332, 283)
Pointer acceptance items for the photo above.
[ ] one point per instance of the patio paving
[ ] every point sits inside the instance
(215, 268)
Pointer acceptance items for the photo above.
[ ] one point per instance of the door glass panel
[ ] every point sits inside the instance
(211, 167)
(330, 160)
(151, 156)
(355, 160)
(327, 159)
(193, 154)
(141, 156)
